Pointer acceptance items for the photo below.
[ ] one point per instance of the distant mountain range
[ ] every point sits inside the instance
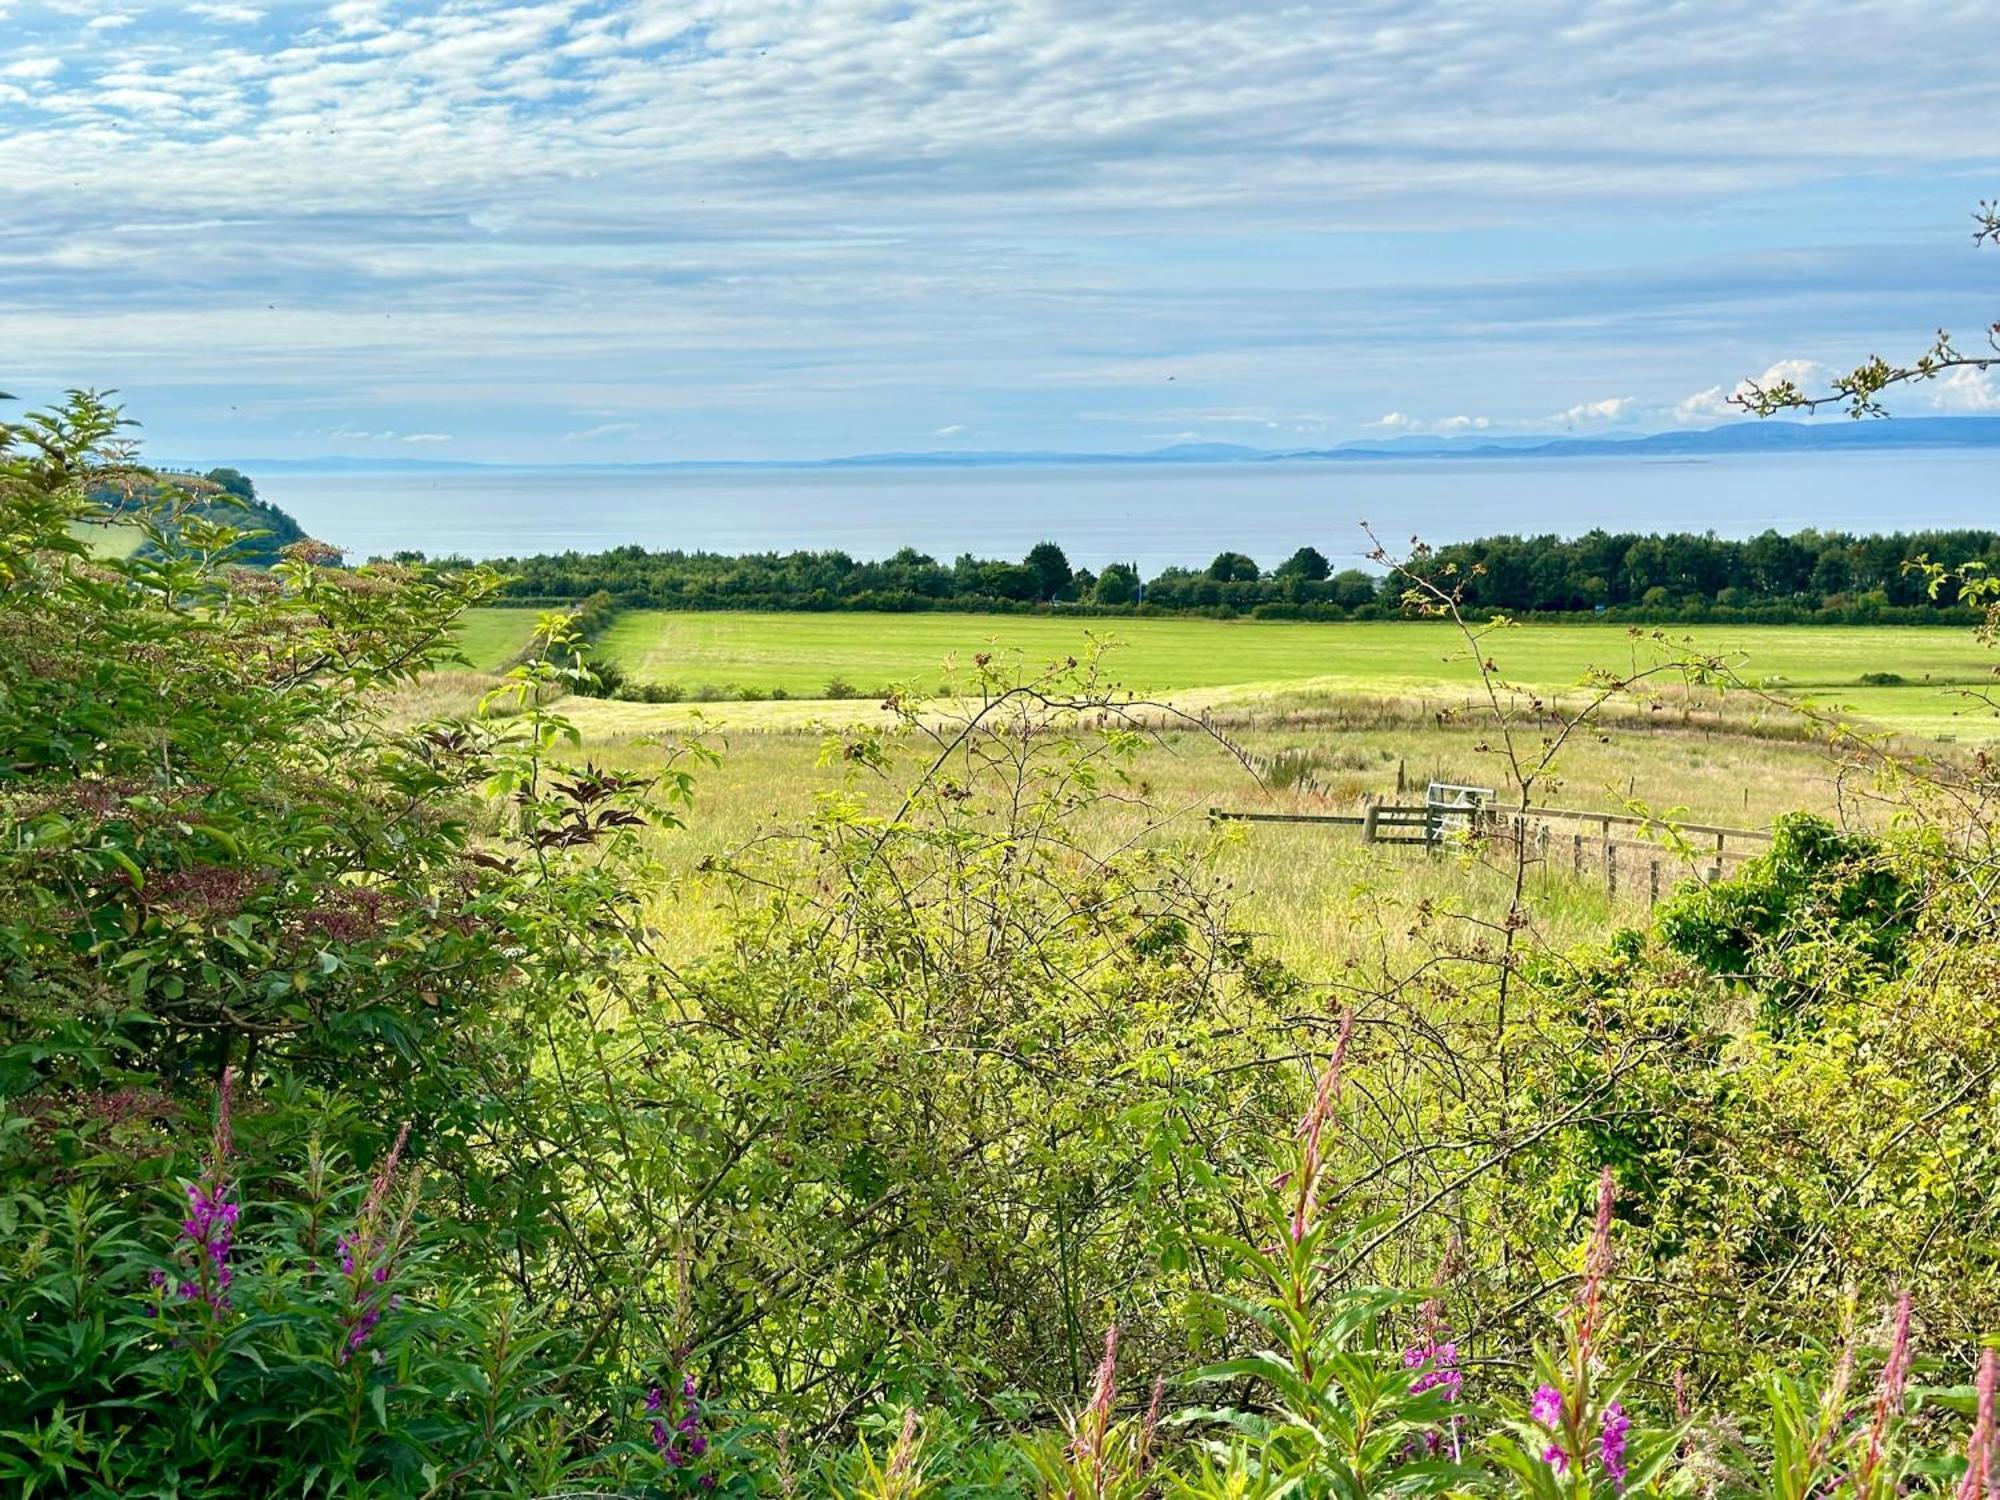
(1731, 438)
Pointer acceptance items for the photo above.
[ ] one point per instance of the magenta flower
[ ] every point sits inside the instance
(1547, 1406)
(1611, 1443)
(368, 1253)
(1437, 1362)
(209, 1230)
(1555, 1458)
(674, 1417)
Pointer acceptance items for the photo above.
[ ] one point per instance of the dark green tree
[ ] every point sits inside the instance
(234, 481)
(1118, 584)
(1353, 588)
(1045, 560)
(1308, 564)
(1233, 567)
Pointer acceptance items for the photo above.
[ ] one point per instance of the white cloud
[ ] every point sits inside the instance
(1802, 373)
(1710, 405)
(1966, 391)
(1397, 421)
(1714, 404)
(794, 218)
(357, 15)
(109, 21)
(952, 431)
(1595, 413)
(603, 432)
(349, 432)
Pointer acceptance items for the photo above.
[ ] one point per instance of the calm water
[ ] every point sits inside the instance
(1154, 516)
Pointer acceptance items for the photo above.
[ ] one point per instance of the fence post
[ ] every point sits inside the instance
(1368, 816)
(1653, 897)
(1576, 848)
(1543, 840)
(1610, 869)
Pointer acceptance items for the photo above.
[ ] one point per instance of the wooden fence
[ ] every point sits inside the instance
(1574, 840)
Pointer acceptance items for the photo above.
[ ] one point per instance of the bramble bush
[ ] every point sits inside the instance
(357, 1139)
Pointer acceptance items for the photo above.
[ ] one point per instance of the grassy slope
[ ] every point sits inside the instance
(113, 541)
(802, 652)
(491, 637)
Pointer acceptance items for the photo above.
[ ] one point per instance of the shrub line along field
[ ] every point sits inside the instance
(761, 655)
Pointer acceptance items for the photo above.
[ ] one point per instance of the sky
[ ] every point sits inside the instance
(584, 231)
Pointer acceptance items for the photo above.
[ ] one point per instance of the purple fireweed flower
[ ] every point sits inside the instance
(368, 1252)
(1611, 1443)
(1555, 1458)
(209, 1230)
(1435, 1359)
(1547, 1406)
(1437, 1363)
(674, 1419)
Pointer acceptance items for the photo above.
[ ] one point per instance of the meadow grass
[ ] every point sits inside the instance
(112, 542)
(1320, 898)
(754, 654)
(490, 638)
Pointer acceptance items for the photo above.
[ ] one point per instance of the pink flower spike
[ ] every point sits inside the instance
(1889, 1400)
(1978, 1481)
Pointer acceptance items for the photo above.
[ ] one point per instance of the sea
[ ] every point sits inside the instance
(1153, 515)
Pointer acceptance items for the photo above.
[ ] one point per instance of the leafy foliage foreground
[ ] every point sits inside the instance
(359, 1140)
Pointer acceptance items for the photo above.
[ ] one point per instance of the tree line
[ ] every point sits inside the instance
(1832, 576)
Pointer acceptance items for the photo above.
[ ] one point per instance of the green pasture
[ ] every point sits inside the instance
(490, 638)
(751, 655)
(115, 540)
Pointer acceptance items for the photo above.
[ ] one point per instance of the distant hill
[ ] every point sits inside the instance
(234, 503)
(1730, 438)
(1734, 437)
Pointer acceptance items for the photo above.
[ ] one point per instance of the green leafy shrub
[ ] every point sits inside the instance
(844, 1204)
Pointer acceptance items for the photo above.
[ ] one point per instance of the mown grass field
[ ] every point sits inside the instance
(490, 638)
(751, 655)
(1355, 700)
